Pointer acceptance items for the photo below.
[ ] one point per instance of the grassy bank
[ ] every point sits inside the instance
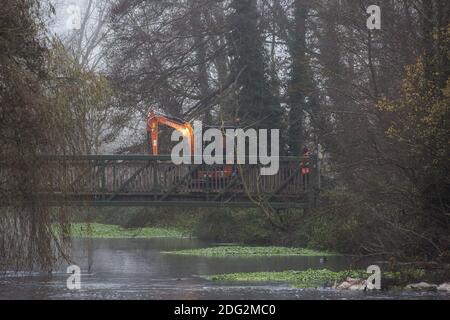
(244, 226)
(240, 251)
(97, 230)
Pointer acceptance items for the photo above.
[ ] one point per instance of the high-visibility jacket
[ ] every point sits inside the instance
(305, 164)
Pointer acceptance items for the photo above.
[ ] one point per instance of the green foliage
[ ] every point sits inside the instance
(303, 279)
(330, 232)
(27, 129)
(419, 128)
(230, 251)
(258, 105)
(142, 217)
(420, 121)
(225, 225)
(96, 230)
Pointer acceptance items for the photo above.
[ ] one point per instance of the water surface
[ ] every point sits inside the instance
(137, 269)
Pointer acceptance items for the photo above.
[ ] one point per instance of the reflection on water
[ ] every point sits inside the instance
(137, 269)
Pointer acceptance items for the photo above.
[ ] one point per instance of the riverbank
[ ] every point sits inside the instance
(106, 231)
(403, 280)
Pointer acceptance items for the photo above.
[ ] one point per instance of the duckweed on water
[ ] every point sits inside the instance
(240, 251)
(97, 230)
(303, 279)
(312, 278)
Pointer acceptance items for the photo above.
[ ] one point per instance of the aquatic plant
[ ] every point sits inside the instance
(303, 279)
(97, 230)
(248, 251)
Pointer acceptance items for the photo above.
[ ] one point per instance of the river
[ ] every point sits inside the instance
(137, 269)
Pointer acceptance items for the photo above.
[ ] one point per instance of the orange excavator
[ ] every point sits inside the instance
(155, 119)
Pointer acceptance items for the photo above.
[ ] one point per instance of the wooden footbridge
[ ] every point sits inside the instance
(118, 180)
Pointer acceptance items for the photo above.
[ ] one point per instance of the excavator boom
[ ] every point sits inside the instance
(156, 119)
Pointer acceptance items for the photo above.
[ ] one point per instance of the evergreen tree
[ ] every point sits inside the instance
(257, 105)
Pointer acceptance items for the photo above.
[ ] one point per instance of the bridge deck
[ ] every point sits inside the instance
(156, 181)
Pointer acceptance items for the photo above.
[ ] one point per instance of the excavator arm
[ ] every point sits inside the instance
(157, 119)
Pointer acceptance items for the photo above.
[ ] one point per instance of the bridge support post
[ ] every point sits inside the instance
(314, 182)
(156, 187)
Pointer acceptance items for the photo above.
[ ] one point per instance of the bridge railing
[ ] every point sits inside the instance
(111, 178)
